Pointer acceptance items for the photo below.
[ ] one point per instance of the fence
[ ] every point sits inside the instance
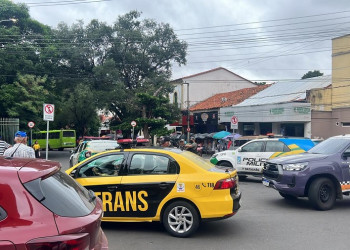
(8, 128)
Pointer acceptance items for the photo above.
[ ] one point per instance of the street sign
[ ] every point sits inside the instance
(188, 129)
(31, 124)
(234, 122)
(49, 111)
(133, 123)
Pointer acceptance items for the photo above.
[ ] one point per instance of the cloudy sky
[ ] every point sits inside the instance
(261, 40)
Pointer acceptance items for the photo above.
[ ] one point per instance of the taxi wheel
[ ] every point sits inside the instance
(180, 219)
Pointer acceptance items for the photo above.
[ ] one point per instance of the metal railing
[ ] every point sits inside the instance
(8, 128)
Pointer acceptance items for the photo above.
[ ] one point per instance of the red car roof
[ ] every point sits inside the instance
(30, 169)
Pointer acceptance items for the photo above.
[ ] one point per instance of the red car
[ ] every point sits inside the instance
(44, 208)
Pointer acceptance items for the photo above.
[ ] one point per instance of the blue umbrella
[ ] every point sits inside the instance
(221, 134)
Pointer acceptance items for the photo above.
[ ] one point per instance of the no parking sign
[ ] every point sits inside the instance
(49, 111)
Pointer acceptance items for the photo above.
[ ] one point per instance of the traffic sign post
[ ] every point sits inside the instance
(48, 111)
(31, 125)
(234, 122)
(133, 124)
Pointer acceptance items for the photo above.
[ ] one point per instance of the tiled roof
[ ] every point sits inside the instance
(227, 99)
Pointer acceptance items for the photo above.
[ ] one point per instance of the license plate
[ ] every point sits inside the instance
(266, 182)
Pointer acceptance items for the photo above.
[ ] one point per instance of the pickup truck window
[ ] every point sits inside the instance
(330, 146)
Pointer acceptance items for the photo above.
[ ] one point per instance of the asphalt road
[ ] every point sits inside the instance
(265, 221)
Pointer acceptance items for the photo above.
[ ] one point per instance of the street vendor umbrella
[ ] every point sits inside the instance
(232, 136)
(221, 134)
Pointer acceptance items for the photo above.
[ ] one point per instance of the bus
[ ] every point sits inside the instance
(58, 139)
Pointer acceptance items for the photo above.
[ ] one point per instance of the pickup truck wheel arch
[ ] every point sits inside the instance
(329, 176)
(322, 193)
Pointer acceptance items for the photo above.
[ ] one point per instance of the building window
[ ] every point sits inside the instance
(345, 124)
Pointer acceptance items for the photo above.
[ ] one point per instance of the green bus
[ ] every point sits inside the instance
(58, 139)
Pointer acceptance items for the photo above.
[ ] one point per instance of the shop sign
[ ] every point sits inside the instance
(229, 113)
(276, 111)
(302, 110)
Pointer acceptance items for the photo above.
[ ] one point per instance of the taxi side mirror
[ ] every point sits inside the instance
(239, 149)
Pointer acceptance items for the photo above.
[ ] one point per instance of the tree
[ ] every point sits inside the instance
(143, 52)
(24, 99)
(80, 112)
(311, 74)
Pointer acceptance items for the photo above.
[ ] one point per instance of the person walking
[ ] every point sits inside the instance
(36, 148)
(3, 146)
(20, 149)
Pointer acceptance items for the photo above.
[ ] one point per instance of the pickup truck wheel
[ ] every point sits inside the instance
(180, 219)
(225, 164)
(322, 194)
(288, 196)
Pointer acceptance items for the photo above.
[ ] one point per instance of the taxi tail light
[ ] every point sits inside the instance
(225, 184)
(87, 154)
(69, 241)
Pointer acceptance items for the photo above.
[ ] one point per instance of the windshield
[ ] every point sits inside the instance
(330, 146)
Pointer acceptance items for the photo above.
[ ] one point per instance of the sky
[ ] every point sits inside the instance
(260, 40)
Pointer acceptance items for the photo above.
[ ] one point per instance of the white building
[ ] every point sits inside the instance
(206, 84)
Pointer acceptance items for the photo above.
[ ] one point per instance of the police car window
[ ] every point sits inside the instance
(276, 146)
(104, 166)
(149, 164)
(253, 147)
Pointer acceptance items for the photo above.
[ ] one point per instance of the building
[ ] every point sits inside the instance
(203, 85)
(282, 108)
(193, 89)
(331, 106)
(205, 113)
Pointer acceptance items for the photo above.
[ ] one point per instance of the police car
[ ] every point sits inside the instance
(249, 159)
(177, 188)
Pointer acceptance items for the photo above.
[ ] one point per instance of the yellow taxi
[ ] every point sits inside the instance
(178, 188)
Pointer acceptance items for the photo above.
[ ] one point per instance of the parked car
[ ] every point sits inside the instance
(249, 159)
(43, 208)
(321, 174)
(89, 148)
(178, 188)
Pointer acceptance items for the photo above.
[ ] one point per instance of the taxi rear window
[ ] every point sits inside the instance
(205, 164)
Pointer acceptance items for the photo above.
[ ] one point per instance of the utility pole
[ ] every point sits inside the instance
(188, 111)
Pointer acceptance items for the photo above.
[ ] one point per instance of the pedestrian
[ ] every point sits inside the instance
(182, 144)
(165, 142)
(3, 146)
(36, 148)
(20, 149)
(192, 146)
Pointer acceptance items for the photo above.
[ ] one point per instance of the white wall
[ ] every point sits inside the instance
(205, 85)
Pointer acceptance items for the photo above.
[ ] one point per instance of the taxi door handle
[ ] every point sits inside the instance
(112, 188)
(163, 185)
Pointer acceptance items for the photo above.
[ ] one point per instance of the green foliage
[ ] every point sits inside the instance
(311, 74)
(79, 111)
(24, 99)
(124, 68)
